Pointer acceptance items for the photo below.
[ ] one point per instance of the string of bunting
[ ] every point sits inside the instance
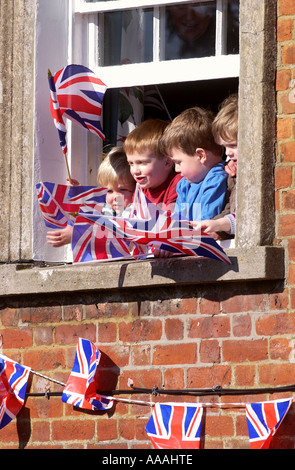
(171, 425)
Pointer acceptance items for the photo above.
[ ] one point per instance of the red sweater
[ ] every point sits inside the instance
(165, 194)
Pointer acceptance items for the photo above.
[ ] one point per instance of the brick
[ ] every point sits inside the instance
(288, 200)
(288, 54)
(45, 359)
(276, 374)
(16, 338)
(140, 330)
(43, 335)
(287, 107)
(41, 314)
(73, 312)
(286, 225)
(280, 348)
(41, 431)
(242, 325)
(209, 351)
(219, 426)
(141, 354)
(286, 7)
(9, 317)
(69, 430)
(206, 377)
(274, 324)
(69, 334)
(107, 332)
(251, 350)
(245, 375)
(210, 304)
(279, 300)
(174, 378)
(284, 29)
(175, 354)
(106, 429)
(283, 79)
(283, 128)
(174, 328)
(146, 378)
(43, 408)
(243, 303)
(127, 428)
(212, 327)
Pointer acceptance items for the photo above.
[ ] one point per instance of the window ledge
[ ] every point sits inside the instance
(259, 263)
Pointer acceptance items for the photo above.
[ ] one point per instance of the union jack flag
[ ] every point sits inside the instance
(263, 420)
(60, 203)
(57, 114)
(13, 384)
(97, 237)
(79, 94)
(175, 426)
(80, 389)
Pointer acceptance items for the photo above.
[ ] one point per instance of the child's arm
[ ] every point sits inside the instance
(61, 237)
(225, 224)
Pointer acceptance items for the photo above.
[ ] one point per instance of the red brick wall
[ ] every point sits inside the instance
(234, 335)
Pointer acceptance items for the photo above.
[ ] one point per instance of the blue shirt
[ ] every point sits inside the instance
(203, 200)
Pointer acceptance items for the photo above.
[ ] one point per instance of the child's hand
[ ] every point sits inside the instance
(207, 226)
(73, 182)
(61, 237)
(158, 253)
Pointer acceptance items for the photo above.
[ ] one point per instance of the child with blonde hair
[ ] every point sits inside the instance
(114, 174)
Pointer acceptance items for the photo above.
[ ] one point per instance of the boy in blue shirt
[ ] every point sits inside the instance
(189, 142)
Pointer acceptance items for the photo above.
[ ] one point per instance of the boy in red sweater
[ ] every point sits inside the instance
(153, 172)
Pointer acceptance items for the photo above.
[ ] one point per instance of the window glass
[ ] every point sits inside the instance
(127, 37)
(190, 30)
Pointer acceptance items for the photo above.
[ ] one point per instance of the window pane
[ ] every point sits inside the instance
(190, 30)
(233, 27)
(128, 36)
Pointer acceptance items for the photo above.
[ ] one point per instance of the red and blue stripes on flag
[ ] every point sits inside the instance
(263, 420)
(80, 389)
(13, 384)
(80, 94)
(175, 426)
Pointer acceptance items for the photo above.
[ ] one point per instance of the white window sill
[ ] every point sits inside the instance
(259, 263)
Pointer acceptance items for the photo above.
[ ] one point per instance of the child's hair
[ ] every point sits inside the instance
(188, 131)
(225, 125)
(114, 168)
(145, 137)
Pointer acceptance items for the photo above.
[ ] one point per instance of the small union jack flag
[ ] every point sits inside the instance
(175, 426)
(57, 114)
(263, 420)
(60, 203)
(79, 95)
(13, 384)
(80, 389)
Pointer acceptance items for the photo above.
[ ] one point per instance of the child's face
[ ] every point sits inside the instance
(231, 149)
(190, 167)
(148, 170)
(119, 196)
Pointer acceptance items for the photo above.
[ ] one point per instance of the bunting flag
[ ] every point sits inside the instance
(79, 95)
(60, 203)
(175, 426)
(264, 419)
(13, 384)
(95, 235)
(80, 389)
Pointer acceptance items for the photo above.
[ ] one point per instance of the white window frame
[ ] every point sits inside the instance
(205, 68)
